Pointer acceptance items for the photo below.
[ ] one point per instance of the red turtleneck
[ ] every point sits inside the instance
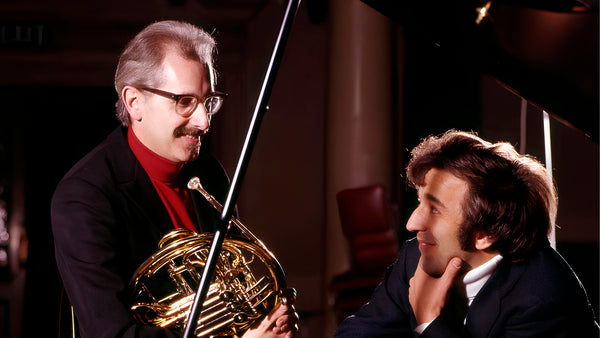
(165, 177)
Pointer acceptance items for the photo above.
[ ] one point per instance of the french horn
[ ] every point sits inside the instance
(247, 283)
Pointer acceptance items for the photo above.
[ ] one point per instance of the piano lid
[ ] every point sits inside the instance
(545, 51)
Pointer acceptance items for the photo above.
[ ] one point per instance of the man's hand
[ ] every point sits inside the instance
(282, 322)
(428, 295)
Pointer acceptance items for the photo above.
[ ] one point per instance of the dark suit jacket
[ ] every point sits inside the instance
(107, 219)
(538, 297)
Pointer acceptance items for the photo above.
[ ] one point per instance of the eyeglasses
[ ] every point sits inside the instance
(185, 105)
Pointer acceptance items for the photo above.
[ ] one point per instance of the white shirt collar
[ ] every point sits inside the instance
(476, 278)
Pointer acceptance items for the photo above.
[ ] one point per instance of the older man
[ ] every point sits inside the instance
(113, 207)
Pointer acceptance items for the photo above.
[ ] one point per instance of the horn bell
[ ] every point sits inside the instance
(247, 284)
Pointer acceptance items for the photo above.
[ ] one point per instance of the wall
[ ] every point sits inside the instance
(281, 199)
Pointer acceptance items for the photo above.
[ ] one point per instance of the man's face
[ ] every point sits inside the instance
(160, 128)
(437, 221)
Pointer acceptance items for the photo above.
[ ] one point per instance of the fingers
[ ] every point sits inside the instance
(449, 276)
(281, 325)
(427, 295)
(281, 322)
(287, 318)
(289, 330)
(452, 270)
(287, 322)
(274, 317)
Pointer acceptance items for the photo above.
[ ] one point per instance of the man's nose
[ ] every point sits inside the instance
(200, 118)
(416, 221)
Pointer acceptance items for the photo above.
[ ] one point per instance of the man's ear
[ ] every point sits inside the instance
(132, 98)
(483, 241)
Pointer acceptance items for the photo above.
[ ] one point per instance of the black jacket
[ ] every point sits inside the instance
(107, 219)
(538, 297)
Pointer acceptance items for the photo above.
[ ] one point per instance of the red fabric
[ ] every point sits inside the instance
(164, 175)
(367, 222)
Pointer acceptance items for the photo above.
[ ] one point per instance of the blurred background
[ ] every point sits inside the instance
(360, 84)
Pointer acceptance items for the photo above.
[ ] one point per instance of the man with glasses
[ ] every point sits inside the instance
(112, 208)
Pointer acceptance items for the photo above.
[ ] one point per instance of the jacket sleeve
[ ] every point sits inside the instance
(388, 313)
(442, 327)
(86, 253)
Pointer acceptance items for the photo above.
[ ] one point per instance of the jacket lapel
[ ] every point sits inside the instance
(485, 309)
(145, 201)
(137, 189)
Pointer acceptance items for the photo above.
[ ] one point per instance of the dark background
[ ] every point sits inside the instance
(57, 60)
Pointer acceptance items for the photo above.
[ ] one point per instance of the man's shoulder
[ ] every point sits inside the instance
(544, 275)
(408, 257)
(111, 155)
(410, 248)
(547, 262)
(541, 288)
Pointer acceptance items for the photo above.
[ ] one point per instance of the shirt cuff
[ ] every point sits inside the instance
(419, 329)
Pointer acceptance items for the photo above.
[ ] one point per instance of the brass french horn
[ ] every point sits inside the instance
(247, 283)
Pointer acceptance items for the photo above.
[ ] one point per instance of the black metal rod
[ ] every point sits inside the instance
(227, 212)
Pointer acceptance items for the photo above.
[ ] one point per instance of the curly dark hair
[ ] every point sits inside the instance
(510, 198)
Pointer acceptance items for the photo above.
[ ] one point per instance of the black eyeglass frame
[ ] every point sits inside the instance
(176, 97)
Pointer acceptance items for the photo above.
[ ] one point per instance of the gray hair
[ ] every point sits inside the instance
(141, 60)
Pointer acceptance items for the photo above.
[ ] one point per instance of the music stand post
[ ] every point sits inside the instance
(226, 214)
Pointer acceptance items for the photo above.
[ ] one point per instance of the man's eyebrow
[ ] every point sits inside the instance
(435, 200)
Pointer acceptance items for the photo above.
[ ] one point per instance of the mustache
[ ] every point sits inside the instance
(184, 131)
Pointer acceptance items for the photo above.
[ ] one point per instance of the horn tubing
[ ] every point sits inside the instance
(260, 108)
